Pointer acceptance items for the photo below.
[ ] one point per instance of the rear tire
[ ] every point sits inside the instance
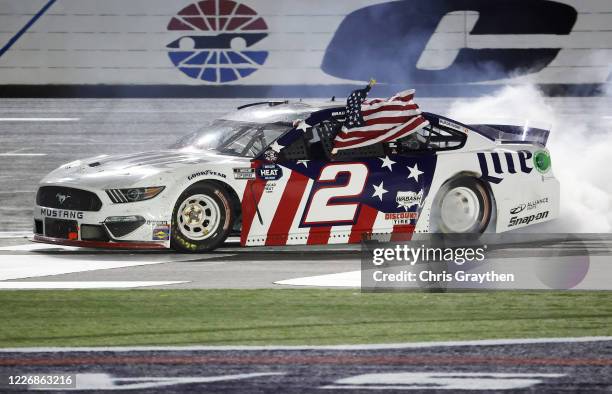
(463, 206)
(202, 218)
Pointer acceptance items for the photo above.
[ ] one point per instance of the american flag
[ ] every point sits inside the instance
(379, 120)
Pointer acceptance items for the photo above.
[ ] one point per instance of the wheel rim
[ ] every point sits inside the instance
(198, 217)
(460, 210)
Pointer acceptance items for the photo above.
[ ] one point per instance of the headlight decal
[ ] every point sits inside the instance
(134, 194)
(116, 196)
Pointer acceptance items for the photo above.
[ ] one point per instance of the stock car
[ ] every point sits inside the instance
(266, 172)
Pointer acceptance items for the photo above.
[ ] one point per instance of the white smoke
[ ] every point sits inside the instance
(580, 144)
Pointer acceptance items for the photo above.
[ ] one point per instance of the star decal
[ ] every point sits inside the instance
(379, 191)
(304, 162)
(303, 126)
(414, 172)
(276, 147)
(386, 162)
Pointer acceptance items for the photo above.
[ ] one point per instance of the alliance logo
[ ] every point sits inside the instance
(216, 41)
(528, 206)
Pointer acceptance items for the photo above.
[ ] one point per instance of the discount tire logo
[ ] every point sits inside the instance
(217, 41)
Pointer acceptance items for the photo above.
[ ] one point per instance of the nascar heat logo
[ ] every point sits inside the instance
(216, 41)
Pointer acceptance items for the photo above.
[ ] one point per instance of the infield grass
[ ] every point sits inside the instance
(296, 317)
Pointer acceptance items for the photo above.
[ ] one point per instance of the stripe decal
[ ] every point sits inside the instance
(299, 235)
(402, 232)
(268, 205)
(252, 196)
(364, 224)
(319, 235)
(287, 209)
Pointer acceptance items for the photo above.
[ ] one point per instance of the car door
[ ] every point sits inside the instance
(308, 196)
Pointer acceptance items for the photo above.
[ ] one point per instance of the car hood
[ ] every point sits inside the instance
(129, 170)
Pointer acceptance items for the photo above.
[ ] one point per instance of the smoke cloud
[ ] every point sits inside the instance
(580, 144)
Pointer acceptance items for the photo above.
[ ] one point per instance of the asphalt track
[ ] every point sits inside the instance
(229, 267)
(27, 265)
(550, 366)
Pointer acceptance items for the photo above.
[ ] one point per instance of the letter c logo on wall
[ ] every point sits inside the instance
(216, 40)
(448, 41)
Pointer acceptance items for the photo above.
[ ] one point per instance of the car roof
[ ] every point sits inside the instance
(279, 111)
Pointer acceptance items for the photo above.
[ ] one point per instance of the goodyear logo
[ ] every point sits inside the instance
(216, 41)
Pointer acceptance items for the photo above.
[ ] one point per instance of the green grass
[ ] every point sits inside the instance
(215, 317)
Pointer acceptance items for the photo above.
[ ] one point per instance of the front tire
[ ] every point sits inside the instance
(202, 218)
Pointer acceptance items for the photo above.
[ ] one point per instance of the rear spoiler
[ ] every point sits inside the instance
(515, 134)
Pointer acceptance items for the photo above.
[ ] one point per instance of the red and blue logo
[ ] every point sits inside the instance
(217, 36)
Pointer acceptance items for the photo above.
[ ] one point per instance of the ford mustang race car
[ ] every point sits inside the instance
(267, 172)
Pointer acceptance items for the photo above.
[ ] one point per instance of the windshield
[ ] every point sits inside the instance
(232, 137)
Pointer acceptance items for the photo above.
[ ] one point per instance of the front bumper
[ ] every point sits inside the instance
(74, 228)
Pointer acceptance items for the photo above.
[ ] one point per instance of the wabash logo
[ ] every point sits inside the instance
(216, 45)
(447, 41)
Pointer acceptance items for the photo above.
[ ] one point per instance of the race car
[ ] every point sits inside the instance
(267, 172)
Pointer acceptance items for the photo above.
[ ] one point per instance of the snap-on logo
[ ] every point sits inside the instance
(216, 41)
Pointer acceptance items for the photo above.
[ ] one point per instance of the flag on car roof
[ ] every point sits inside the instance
(379, 120)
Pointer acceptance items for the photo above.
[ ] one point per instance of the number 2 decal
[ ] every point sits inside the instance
(322, 209)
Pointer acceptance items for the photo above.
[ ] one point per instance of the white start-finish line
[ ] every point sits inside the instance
(441, 381)
(341, 279)
(32, 266)
(14, 267)
(103, 381)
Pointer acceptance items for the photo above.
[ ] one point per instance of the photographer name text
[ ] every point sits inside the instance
(444, 276)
